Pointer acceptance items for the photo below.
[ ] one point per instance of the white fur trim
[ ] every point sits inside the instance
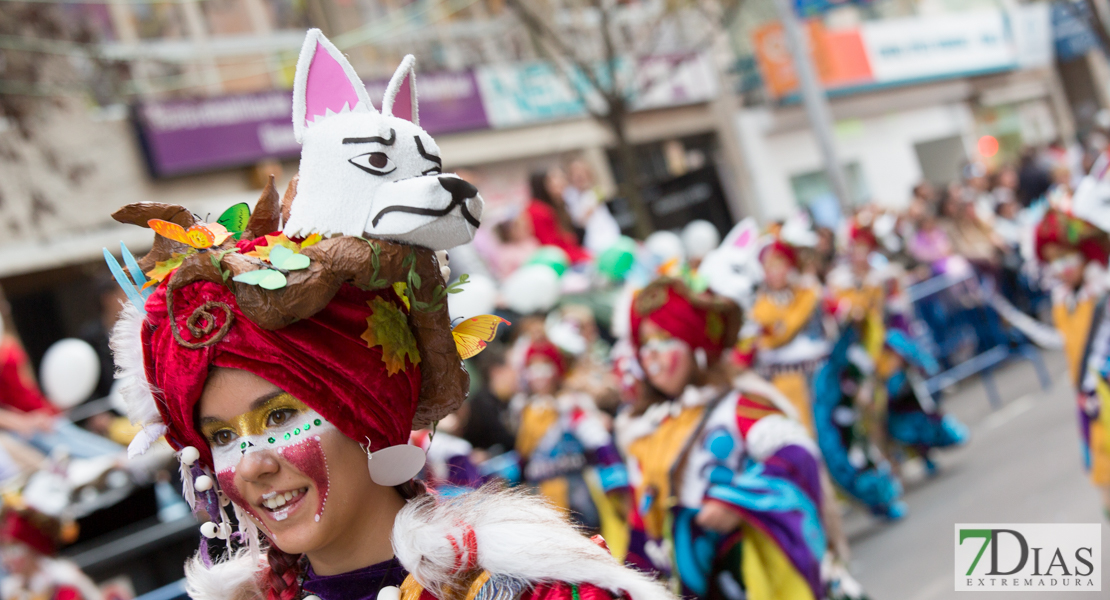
(750, 383)
(127, 351)
(234, 578)
(773, 432)
(144, 438)
(518, 536)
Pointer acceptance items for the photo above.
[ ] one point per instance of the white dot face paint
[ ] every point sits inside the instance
(282, 425)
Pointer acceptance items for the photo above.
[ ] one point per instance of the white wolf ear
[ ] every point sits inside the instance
(403, 80)
(325, 83)
(743, 236)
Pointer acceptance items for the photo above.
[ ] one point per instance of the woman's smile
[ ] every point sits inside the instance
(278, 505)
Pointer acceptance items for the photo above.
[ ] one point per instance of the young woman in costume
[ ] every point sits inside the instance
(1075, 255)
(784, 338)
(727, 492)
(864, 297)
(564, 444)
(288, 370)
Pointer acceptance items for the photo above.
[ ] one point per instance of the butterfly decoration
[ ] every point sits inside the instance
(133, 282)
(471, 336)
(282, 260)
(235, 219)
(200, 236)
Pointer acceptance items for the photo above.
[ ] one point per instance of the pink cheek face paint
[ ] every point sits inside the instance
(226, 479)
(308, 458)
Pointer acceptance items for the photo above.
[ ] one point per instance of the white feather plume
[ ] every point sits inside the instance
(127, 351)
(519, 536)
(234, 578)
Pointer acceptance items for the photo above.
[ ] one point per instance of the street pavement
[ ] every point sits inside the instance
(1021, 466)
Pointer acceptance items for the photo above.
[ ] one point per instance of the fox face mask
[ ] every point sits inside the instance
(370, 173)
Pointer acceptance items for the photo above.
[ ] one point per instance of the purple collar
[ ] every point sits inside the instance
(360, 584)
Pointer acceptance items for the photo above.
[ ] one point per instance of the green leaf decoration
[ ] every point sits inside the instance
(284, 258)
(264, 278)
(235, 219)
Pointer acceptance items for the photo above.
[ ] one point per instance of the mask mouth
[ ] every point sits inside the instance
(430, 212)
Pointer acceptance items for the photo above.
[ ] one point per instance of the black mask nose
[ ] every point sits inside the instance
(459, 189)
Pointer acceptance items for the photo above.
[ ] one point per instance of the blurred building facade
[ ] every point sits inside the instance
(195, 111)
(918, 90)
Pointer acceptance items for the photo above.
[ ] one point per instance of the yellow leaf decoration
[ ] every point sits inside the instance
(388, 327)
(311, 240)
(401, 287)
(263, 252)
(163, 269)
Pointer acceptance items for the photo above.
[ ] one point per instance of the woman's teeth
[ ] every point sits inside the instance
(274, 500)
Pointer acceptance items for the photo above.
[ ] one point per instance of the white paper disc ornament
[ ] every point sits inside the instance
(69, 373)
(396, 464)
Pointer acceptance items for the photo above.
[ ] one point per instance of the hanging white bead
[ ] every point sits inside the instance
(311, 598)
(203, 483)
(224, 500)
(389, 592)
(223, 531)
(189, 455)
(208, 530)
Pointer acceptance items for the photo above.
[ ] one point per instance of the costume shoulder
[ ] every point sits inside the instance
(516, 539)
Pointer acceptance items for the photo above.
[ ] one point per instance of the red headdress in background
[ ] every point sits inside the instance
(704, 321)
(544, 349)
(1059, 232)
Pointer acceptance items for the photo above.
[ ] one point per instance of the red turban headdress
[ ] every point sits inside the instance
(19, 527)
(545, 349)
(1068, 233)
(782, 248)
(703, 321)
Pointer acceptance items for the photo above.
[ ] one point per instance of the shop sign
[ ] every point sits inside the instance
(1072, 35)
(192, 135)
(522, 94)
(921, 48)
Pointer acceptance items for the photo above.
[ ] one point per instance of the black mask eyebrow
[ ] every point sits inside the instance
(424, 153)
(374, 140)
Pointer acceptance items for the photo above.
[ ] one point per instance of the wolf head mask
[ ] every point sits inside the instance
(370, 173)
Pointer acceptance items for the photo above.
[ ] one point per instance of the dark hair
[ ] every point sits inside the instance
(538, 182)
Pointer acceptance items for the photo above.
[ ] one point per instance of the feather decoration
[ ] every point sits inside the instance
(249, 531)
(146, 436)
(187, 490)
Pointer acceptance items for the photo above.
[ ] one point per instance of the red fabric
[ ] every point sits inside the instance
(548, 231)
(678, 317)
(782, 248)
(1070, 233)
(565, 591)
(18, 528)
(546, 350)
(18, 389)
(67, 592)
(323, 361)
(863, 235)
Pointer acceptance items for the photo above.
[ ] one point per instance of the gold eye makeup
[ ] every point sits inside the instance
(276, 411)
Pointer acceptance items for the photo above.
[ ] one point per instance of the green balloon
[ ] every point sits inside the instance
(616, 261)
(552, 256)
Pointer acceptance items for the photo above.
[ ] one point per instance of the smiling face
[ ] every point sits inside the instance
(302, 481)
(668, 361)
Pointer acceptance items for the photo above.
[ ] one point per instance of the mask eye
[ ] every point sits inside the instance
(433, 171)
(375, 163)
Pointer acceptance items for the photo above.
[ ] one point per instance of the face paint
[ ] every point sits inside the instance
(283, 425)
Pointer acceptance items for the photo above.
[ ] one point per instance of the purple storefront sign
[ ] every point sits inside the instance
(189, 136)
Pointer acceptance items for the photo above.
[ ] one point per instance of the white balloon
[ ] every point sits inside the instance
(665, 246)
(700, 237)
(69, 373)
(478, 297)
(531, 289)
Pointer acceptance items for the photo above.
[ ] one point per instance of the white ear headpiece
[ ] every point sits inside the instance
(325, 83)
(407, 68)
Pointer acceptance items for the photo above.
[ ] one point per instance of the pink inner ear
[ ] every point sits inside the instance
(327, 86)
(743, 239)
(402, 104)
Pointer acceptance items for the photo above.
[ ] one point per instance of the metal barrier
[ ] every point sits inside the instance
(967, 336)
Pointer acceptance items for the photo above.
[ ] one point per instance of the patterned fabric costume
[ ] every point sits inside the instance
(730, 444)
